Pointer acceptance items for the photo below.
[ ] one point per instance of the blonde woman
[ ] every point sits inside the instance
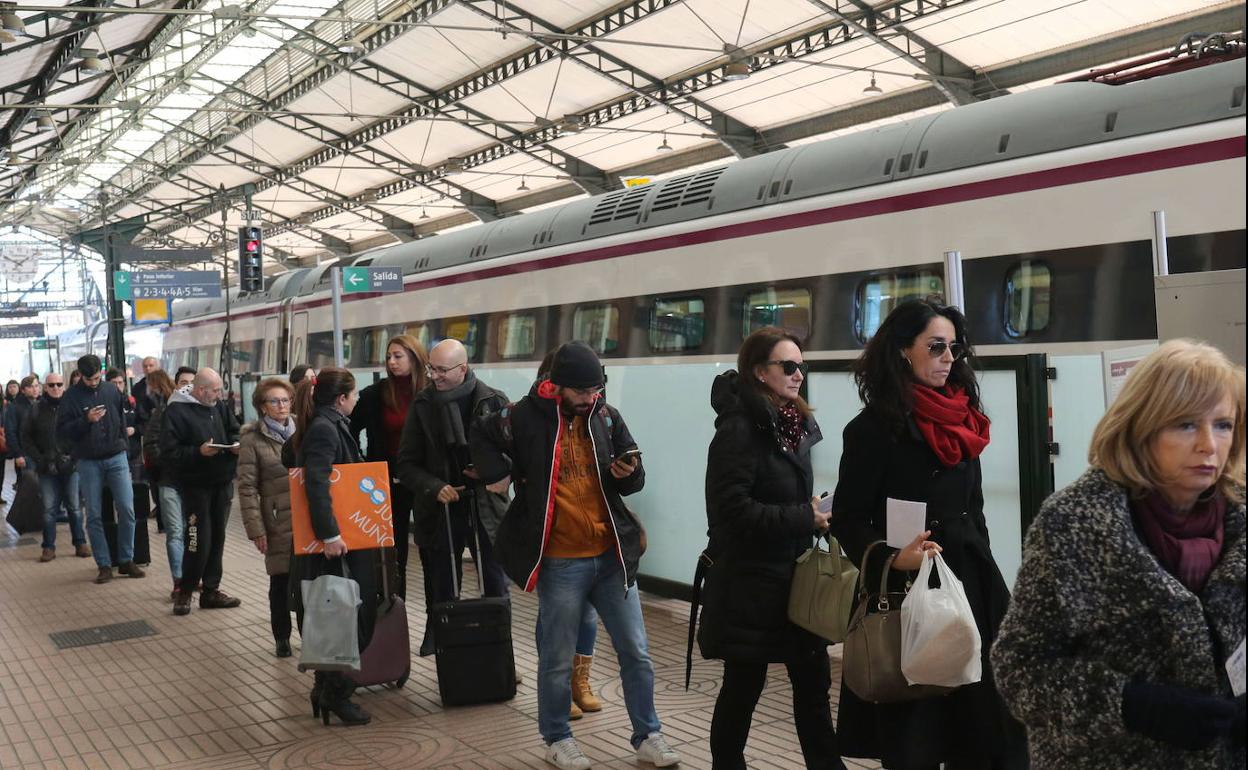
(264, 497)
(1130, 597)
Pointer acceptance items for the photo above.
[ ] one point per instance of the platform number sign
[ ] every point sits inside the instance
(250, 259)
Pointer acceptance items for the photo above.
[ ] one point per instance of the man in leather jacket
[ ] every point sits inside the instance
(58, 473)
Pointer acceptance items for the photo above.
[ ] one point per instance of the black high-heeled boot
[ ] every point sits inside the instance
(335, 699)
(318, 686)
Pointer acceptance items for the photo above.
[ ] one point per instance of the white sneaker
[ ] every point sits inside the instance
(567, 755)
(654, 749)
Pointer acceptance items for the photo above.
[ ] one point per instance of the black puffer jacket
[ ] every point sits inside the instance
(39, 439)
(186, 425)
(759, 521)
(15, 417)
(423, 464)
(523, 440)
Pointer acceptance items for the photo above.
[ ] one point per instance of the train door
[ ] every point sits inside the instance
(1016, 472)
(298, 338)
(269, 363)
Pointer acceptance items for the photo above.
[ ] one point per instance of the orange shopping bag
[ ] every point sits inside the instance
(361, 497)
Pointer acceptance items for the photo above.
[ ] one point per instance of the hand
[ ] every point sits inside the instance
(471, 473)
(1176, 715)
(207, 450)
(622, 468)
(449, 494)
(20, 462)
(96, 414)
(499, 487)
(335, 549)
(235, 449)
(911, 557)
(821, 518)
(262, 544)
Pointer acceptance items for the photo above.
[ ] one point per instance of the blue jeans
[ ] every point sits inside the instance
(115, 473)
(57, 489)
(586, 635)
(171, 518)
(564, 588)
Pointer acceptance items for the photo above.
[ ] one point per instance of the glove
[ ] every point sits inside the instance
(1176, 715)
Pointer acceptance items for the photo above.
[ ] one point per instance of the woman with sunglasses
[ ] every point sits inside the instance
(761, 517)
(919, 439)
(264, 497)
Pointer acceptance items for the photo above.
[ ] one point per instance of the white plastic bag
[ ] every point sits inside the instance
(330, 630)
(940, 642)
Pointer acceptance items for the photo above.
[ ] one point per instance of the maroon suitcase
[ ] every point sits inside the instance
(388, 657)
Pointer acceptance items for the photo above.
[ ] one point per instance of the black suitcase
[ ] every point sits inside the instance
(108, 515)
(472, 638)
(26, 512)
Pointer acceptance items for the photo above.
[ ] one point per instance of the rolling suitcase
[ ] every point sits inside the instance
(108, 516)
(388, 657)
(472, 640)
(26, 513)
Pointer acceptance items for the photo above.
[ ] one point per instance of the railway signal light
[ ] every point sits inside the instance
(250, 259)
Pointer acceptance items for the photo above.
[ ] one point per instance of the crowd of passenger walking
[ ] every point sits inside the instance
(1121, 646)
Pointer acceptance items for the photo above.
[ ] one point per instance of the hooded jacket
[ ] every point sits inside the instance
(39, 439)
(186, 425)
(759, 521)
(422, 465)
(97, 440)
(523, 440)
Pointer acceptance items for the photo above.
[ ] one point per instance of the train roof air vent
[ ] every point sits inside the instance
(699, 190)
(605, 210)
(630, 204)
(669, 194)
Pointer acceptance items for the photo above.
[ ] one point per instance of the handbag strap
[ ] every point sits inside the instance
(699, 575)
(882, 603)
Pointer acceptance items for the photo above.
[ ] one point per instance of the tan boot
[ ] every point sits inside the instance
(581, 694)
(575, 712)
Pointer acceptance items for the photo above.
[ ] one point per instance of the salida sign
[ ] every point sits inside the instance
(361, 500)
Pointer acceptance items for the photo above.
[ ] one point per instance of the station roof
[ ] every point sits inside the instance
(365, 123)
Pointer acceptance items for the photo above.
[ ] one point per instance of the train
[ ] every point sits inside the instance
(1048, 196)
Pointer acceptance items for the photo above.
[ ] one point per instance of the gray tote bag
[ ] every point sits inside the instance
(330, 635)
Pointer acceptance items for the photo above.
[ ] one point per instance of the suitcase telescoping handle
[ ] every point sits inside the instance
(456, 443)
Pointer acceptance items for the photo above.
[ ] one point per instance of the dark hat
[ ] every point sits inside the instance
(576, 365)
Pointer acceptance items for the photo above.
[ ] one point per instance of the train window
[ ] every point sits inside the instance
(517, 335)
(879, 294)
(464, 329)
(374, 348)
(421, 332)
(787, 308)
(1027, 298)
(677, 324)
(598, 326)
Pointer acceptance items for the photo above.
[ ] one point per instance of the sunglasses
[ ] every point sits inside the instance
(791, 367)
(54, 385)
(937, 349)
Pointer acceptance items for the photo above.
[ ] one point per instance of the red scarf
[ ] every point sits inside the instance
(1187, 544)
(953, 430)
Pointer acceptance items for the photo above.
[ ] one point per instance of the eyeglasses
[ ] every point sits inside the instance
(54, 384)
(791, 367)
(443, 370)
(589, 391)
(938, 348)
(277, 401)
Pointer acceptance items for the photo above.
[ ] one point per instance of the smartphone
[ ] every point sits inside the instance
(825, 503)
(92, 408)
(629, 454)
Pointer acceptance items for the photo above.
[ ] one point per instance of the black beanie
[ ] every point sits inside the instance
(576, 365)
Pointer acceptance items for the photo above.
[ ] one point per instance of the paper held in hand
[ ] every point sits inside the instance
(360, 494)
(906, 520)
(1235, 670)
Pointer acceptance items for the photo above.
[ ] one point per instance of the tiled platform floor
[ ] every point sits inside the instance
(206, 692)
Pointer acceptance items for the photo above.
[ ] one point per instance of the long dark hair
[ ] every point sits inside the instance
(321, 390)
(883, 377)
(420, 359)
(756, 352)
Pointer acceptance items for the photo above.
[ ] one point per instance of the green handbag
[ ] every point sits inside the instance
(822, 591)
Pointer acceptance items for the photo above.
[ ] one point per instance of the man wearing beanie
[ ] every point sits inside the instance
(568, 534)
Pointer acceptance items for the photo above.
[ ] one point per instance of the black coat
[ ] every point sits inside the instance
(151, 440)
(523, 440)
(423, 467)
(39, 440)
(759, 520)
(16, 416)
(88, 440)
(368, 417)
(186, 425)
(877, 463)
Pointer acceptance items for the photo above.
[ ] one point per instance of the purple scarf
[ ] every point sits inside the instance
(792, 425)
(1187, 544)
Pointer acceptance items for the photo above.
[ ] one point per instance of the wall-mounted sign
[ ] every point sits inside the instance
(167, 284)
(21, 331)
(365, 279)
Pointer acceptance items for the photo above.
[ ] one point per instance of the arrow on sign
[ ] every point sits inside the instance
(354, 279)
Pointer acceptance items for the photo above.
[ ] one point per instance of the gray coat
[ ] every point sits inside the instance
(1092, 610)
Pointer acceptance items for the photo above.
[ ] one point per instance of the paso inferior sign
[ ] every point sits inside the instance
(356, 280)
(166, 284)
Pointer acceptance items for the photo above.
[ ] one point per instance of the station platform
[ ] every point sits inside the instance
(204, 692)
